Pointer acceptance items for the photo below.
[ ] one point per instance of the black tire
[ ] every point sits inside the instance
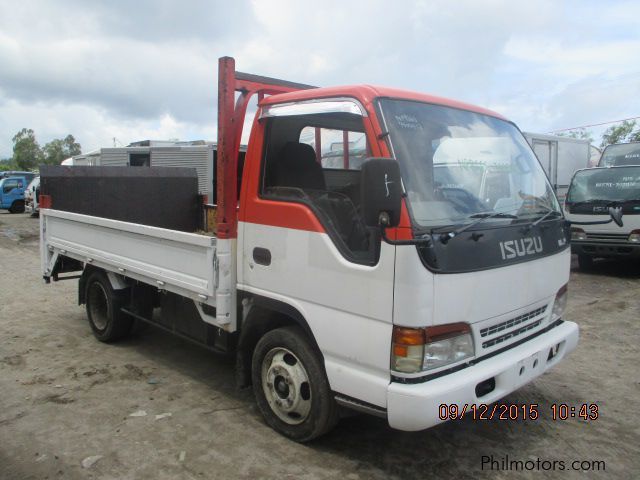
(585, 262)
(17, 207)
(287, 368)
(103, 303)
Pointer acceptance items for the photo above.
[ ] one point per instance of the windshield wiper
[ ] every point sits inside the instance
(547, 214)
(480, 217)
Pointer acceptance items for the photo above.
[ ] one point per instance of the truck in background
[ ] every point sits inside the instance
(592, 192)
(196, 154)
(12, 193)
(367, 285)
(620, 154)
(560, 157)
(31, 195)
(15, 173)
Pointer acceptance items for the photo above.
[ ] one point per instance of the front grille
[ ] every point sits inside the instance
(616, 237)
(513, 333)
(499, 327)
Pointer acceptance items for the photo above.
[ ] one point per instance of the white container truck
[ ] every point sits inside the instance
(560, 157)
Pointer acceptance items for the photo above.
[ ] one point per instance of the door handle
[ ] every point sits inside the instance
(262, 256)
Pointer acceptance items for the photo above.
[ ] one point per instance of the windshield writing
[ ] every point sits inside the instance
(605, 184)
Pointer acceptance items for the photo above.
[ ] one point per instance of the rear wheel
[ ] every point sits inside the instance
(17, 207)
(291, 386)
(585, 262)
(103, 303)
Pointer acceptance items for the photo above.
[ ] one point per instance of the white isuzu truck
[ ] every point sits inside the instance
(592, 193)
(369, 284)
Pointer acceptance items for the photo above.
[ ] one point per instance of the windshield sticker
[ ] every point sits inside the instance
(630, 183)
(408, 122)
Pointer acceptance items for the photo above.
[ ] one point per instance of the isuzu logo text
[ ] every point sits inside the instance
(520, 248)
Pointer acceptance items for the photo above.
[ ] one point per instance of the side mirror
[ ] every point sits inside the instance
(381, 188)
(616, 215)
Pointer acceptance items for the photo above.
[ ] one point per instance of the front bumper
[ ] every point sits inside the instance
(605, 249)
(416, 407)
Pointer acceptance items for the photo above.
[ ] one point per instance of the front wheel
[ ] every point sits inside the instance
(17, 207)
(291, 386)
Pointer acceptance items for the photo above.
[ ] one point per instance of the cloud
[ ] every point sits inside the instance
(148, 68)
(93, 127)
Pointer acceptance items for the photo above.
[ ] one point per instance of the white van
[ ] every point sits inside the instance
(591, 194)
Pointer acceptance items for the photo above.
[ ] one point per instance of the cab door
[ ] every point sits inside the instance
(304, 245)
(12, 190)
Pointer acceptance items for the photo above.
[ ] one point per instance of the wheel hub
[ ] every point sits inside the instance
(286, 386)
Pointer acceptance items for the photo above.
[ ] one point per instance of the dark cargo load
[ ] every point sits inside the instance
(165, 197)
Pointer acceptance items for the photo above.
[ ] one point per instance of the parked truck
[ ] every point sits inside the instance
(620, 154)
(12, 193)
(560, 157)
(592, 192)
(364, 284)
(31, 195)
(197, 154)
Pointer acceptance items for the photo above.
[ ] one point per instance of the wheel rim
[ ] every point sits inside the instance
(98, 306)
(286, 386)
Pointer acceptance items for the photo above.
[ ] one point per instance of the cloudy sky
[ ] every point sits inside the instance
(147, 69)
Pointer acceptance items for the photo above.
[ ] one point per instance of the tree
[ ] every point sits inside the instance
(26, 150)
(7, 164)
(58, 150)
(621, 133)
(578, 133)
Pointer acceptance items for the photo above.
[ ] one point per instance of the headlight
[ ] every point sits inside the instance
(421, 349)
(578, 234)
(634, 237)
(560, 303)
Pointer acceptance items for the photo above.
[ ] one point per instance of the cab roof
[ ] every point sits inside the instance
(366, 94)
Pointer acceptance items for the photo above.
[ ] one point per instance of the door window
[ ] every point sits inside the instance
(337, 149)
(10, 185)
(316, 160)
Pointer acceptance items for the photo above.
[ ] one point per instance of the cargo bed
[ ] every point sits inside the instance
(178, 262)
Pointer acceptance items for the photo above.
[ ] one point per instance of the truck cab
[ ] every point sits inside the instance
(620, 154)
(592, 192)
(486, 283)
(12, 194)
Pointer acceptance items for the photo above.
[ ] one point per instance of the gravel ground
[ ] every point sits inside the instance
(156, 407)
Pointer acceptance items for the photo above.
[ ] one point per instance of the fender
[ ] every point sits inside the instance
(259, 315)
(117, 281)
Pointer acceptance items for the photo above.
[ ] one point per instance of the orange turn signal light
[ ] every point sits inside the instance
(408, 336)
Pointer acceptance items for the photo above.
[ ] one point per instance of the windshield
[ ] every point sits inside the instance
(605, 184)
(457, 164)
(622, 154)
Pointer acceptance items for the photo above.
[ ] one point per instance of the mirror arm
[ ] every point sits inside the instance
(384, 221)
(413, 241)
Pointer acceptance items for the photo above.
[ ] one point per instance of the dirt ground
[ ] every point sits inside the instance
(156, 407)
